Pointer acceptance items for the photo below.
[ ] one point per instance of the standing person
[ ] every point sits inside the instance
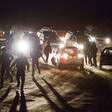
(20, 63)
(6, 59)
(10, 40)
(35, 61)
(93, 52)
(87, 52)
(35, 53)
(47, 51)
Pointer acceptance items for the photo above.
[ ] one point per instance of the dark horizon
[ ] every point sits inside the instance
(72, 14)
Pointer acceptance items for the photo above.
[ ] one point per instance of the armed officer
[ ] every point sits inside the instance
(20, 63)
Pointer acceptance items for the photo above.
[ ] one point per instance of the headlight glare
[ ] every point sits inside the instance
(81, 46)
(107, 40)
(22, 46)
(80, 56)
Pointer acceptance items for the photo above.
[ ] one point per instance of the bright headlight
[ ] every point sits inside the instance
(22, 46)
(107, 40)
(61, 45)
(81, 46)
(65, 56)
(80, 56)
(63, 39)
(30, 32)
(93, 39)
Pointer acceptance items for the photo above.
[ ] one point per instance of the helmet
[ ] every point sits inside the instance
(3, 48)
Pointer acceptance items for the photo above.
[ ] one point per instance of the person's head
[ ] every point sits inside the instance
(3, 49)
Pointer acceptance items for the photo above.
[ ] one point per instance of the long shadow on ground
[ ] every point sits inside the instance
(23, 107)
(65, 108)
(6, 94)
(61, 99)
(15, 103)
(47, 66)
(52, 104)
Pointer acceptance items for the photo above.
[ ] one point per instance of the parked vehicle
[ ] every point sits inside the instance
(68, 56)
(47, 34)
(101, 35)
(76, 41)
(106, 56)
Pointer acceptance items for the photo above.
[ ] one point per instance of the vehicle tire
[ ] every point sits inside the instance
(53, 61)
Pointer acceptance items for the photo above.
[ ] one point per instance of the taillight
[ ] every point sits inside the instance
(63, 56)
(72, 52)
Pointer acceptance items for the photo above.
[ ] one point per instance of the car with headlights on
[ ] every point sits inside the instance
(48, 34)
(68, 56)
(106, 56)
(78, 41)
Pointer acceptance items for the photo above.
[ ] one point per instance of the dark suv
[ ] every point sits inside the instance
(106, 56)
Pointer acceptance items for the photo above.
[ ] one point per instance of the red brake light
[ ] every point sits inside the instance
(61, 55)
(72, 52)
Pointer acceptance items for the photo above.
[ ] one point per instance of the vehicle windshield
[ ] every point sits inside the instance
(108, 51)
(51, 36)
(70, 49)
(73, 38)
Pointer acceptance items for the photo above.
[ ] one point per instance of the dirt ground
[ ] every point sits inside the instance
(57, 90)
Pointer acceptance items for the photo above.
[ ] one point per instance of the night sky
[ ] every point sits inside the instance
(59, 14)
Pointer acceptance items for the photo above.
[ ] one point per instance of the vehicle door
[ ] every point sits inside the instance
(107, 55)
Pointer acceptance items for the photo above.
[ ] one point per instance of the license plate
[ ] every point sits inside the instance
(72, 57)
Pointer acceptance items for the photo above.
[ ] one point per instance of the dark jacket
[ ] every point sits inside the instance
(93, 49)
(47, 49)
(6, 58)
(20, 63)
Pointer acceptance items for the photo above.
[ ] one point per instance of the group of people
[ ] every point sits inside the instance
(90, 52)
(7, 63)
(36, 52)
